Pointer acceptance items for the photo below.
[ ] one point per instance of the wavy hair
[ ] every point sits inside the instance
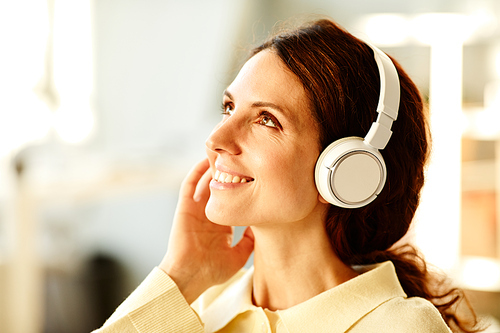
(341, 78)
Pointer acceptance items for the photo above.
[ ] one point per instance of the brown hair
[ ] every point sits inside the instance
(340, 76)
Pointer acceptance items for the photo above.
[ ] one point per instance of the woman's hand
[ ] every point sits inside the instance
(199, 252)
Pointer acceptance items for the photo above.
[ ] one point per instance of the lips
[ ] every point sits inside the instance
(224, 177)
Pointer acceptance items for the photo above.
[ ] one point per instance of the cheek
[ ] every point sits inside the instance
(296, 186)
(295, 167)
(289, 182)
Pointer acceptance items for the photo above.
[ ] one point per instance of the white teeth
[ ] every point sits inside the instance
(223, 177)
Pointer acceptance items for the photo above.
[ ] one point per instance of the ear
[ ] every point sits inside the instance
(321, 199)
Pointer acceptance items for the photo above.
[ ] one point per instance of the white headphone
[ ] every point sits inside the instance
(351, 172)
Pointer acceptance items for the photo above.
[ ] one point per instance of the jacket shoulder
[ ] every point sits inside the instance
(403, 315)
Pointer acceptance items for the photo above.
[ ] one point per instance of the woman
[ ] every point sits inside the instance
(318, 267)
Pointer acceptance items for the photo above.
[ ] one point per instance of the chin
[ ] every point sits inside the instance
(216, 214)
(221, 211)
(222, 216)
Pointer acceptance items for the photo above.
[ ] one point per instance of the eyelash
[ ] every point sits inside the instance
(224, 107)
(265, 114)
(262, 115)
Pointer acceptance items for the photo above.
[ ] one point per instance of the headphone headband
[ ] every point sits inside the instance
(388, 105)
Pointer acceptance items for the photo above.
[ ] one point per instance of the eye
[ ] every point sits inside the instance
(227, 109)
(268, 120)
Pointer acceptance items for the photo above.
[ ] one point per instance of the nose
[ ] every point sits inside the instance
(225, 137)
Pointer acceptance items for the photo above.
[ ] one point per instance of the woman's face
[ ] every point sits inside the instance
(263, 152)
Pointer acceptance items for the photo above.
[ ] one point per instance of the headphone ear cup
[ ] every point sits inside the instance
(349, 173)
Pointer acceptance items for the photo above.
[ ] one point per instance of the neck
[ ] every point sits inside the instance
(293, 263)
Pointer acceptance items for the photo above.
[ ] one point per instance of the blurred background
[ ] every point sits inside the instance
(105, 105)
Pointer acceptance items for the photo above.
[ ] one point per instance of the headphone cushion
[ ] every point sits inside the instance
(349, 173)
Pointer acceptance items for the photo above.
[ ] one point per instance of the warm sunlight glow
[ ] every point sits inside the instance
(23, 115)
(479, 273)
(26, 119)
(386, 29)
(438, 219)
(73, 123)
(434, 28)
(487, 123)
(73, 69)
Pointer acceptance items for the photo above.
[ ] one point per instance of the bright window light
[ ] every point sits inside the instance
(23, 115)
(487, 123)
(386, 29)
(73, 69)
(432, 28)
(438, 220)
(74, 122)
(480, 273)
(24, 119)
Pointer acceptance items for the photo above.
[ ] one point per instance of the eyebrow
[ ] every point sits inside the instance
(262, 104)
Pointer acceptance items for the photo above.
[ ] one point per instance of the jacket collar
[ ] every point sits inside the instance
(235, 299)
(339, 308)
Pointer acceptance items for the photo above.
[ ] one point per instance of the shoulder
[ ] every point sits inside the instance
(403, 315)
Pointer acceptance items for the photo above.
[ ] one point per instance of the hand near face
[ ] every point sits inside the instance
(199, 252)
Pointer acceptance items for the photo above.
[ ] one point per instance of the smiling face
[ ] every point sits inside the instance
(263, 152)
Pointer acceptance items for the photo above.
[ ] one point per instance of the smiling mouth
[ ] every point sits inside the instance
(223, 177)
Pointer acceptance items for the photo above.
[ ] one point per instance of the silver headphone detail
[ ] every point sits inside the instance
(351, 172)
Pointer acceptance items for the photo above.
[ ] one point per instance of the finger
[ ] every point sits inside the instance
(202, 189)
(188, 186)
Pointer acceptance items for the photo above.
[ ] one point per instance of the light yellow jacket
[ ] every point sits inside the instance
(371, 302)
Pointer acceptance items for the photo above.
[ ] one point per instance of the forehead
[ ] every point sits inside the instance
(265, 78)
